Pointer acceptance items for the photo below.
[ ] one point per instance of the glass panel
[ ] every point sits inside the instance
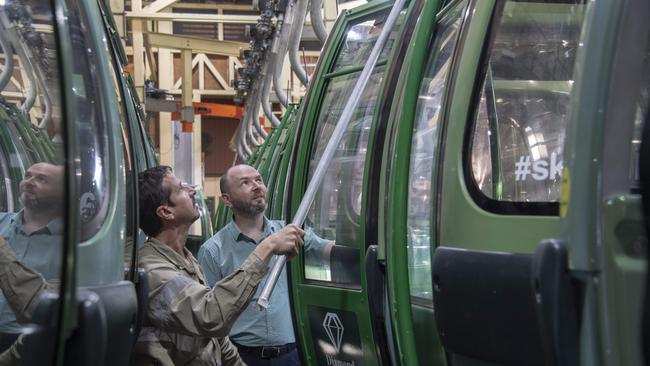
(361, 38)
(97, 107)
(91, 121)
(32, 179)
(518, 141)
(424, 149)
(336, 210)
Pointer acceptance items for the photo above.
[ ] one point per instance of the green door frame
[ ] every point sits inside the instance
(602, 220)
(330, 297)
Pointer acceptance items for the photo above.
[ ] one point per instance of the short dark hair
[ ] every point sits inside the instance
(152, 195)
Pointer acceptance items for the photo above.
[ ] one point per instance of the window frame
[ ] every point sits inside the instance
(484, 202)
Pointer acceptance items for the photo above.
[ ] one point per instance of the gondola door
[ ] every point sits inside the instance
(541, 247)
(601, 209)
(499, 176)
(330, 289)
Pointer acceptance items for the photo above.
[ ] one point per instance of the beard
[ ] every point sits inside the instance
(248, 208)
(34, 202)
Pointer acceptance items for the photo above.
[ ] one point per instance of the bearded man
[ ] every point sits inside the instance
(262, 337)
(34, 234)
(186, 322)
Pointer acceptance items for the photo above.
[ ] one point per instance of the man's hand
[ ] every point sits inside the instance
(287, 241)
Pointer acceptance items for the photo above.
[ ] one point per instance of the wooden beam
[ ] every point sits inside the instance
(195, 18)
(195, 44)
(224, 6)
(158, 5)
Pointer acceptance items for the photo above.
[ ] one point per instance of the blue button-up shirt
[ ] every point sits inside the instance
(41, 251)
(224, 253)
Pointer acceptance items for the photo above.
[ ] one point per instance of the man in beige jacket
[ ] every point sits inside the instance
(186, 321)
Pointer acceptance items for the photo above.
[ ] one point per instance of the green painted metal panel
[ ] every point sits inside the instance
(417, 342)
(278, 201)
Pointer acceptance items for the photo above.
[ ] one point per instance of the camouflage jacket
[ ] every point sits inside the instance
(187, 322)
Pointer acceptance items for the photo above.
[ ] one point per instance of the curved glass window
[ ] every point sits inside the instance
(32, 176)
(90, 123)
(361, 38)
(517, 146)
(96, 107)
(336, 211)
(424, 150)
(334, 215)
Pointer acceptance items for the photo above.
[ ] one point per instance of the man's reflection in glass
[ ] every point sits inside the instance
(34, 233)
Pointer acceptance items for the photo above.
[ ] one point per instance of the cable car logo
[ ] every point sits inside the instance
(334, 329)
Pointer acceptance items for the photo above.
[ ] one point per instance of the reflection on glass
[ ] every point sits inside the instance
(517, 147)
(424, 148)
(97, 111)
(643, 106)
(361, 38)
(32, 179)
(91, 114)
(335, 212)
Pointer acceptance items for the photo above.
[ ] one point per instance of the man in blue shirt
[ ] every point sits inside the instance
(263, 338)
(35, 233)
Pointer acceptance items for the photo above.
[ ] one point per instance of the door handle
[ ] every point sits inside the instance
(87, 346)
(376, 280)
(555, 303)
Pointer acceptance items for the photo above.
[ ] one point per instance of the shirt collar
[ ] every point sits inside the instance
(172, 255)
(54, 227)
(237, 235)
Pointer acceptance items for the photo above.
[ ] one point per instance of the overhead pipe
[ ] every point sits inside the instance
(246, 130)
(317, 20)
(30, 99)
(9, 61)
(337, 135)
(242, 148)
(34, 74)
(267, 76)
(36, 82)
(294, 41)
(277, 74)
(45, 96)
(242, 142)
(253, 117)
(26, 64)
(47, 115)
(281, 52)
(240, 152)
(252, 104)
(14, 38)
(251, 134)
